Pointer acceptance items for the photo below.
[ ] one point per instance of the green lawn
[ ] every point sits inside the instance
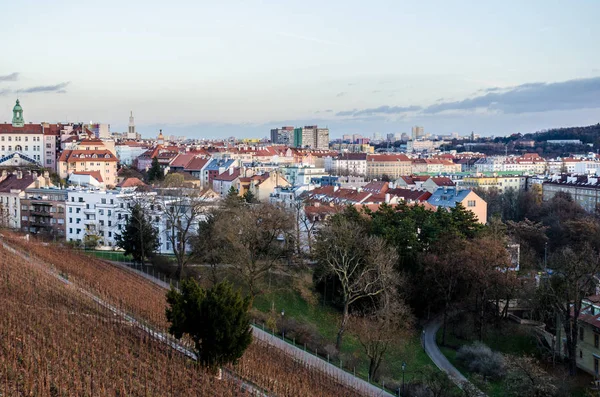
(116, 256)
(326, 319)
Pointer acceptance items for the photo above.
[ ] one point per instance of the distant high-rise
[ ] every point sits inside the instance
(417, 132)
(131, 130)
(282, 136)
(311, 136)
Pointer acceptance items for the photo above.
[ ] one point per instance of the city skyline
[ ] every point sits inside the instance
(243, 69)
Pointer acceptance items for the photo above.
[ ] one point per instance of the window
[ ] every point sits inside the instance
(109, 234)
(580, 333)
(61, 210)
(78, 220)
(24, 218)
(580, 354)
(78, 210)
(103, 201)
(80, 199)
(471, 203)
(70, 230)
(101, 212)
(596, 341)
(70, 210)
(109, 223)
(87, 206)
(26, 138)
(112, 201)
(48, 146)
(595, 365)
(109, 212)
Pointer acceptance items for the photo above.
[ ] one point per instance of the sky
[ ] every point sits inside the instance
(222, 68)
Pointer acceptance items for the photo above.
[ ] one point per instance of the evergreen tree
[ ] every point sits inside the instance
(139, 238)
(155, 173)
(249, 197)
(217, 320)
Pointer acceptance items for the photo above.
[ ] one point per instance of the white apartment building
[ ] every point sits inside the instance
(127, 152)
(301, 175)
(347, 164)
(104, 213)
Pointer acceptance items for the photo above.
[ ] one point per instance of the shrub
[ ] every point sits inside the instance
(163, 265)
(480, 359)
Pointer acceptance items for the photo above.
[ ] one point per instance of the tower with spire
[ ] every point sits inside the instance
(18, 120)
(131, 131)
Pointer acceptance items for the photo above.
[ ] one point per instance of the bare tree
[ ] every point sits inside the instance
(304, 226)
(4, 216)
(571, 282)
(181, 209)
(255, 238)
(389, 323)
(363, 265)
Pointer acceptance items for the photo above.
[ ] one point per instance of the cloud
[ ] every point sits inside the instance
(10, 77)
(58, 88)
(328, 111)
(379, 111)
(341, 94)
(530, 97)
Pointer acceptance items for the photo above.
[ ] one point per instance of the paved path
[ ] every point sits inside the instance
(307, 358)
(438, 358)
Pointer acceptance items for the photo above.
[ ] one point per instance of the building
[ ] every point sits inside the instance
(588, 345)
(347, 164)
(99, 130)
(392, 166)
(222, 183)
(128, 151)
(434, 183)
(311, 137)
(43, 212)
(282, 136)
(448, 197)
(89, 155)
(262, 186)
(499, 183)
(20, 143)
(131, 134)
(417, 132)
(301, 175)
(12, 191)
(210, 169)
(585, 190)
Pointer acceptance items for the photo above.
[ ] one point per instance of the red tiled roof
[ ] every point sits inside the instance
(12, 182)
(376, 187)
(182, 160)
(227, 176)
(131, 182)
(73, 156)
(94, 174)
(26, 129)
(388, 157)
(196, 164)
(409, 195)
(442, 181)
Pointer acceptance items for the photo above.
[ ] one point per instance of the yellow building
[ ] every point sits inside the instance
(90, 155)
(391, 165)
(500, 183)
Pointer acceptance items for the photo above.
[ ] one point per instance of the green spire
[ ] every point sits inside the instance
(17, 120)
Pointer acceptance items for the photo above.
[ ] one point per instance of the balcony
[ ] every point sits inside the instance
(40, 212)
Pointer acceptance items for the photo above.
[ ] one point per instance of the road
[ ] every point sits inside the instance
(438, 358)
(307, 358)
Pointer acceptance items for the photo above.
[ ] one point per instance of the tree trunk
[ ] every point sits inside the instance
(340, 334)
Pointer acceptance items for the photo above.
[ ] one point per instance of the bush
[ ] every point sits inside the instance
(481, 359)
(163, 265)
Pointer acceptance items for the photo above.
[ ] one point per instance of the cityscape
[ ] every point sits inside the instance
(300, 199)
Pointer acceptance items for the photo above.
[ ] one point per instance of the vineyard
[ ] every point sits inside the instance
(56, 341)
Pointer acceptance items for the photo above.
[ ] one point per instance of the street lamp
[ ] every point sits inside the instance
(403, 369)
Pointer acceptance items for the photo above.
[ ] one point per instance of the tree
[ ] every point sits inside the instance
(217, 320)
(182, 210)
(155, 173)
(256, 238)
(174, 180)
(208, 245)
(363, 265)
(389, 322)
(249, 197)
(525, 377)
(91, 241)
(139, 237)
(572, 281)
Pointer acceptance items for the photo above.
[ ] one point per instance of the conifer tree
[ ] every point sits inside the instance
(139, 238)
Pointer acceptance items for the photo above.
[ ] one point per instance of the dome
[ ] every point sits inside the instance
(17, 106)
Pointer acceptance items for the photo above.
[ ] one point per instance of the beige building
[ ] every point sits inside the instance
(499, 183)
(448, 197)
(391, 165)
(261, 186)
(90, 155)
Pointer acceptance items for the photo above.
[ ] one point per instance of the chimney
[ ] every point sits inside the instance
(387, 198)
(19, 175)
(34, 174)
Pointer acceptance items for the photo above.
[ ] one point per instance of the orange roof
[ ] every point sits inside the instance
(73, 156)
(131, 182)
(94, 174)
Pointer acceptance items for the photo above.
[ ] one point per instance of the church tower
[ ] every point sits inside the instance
(131, 131)
(17, 120)
(161, 139)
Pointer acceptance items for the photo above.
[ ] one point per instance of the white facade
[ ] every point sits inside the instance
(28, 144)
(298, 176)
(128, 153)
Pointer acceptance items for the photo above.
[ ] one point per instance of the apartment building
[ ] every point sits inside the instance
(311, 137)
(585, 190)
(347, 164)
(499, 183)
(391, 165)
(43, 212)
(89, 155)
(12, 191)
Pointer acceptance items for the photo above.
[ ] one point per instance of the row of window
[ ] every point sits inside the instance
(19, 148)
(51, 220)
(18, 138)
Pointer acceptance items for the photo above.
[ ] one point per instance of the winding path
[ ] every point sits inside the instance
(433, 351)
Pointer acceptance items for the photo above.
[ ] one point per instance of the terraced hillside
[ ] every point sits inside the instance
(71, 325)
